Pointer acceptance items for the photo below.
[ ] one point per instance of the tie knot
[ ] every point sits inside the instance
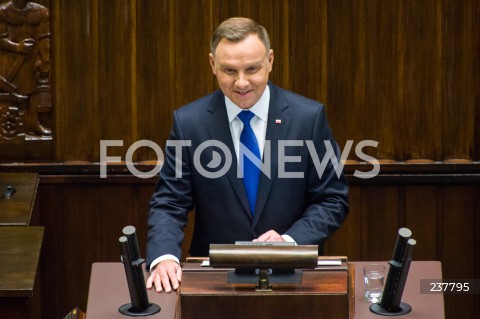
(245, 117)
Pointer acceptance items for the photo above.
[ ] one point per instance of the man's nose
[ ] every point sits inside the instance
(242, 81)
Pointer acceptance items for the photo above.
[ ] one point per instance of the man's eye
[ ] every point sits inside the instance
(228, 71)
(253, 69)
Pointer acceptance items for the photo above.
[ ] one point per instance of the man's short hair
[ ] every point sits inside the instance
(236, 30)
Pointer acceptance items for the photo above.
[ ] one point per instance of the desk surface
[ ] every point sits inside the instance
(17, 210)
(423, 305)
(108, 291)
(19, 255)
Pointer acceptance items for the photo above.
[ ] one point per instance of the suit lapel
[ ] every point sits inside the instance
(219, 129)
(277, 129)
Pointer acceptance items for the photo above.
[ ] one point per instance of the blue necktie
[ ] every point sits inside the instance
(251, 173)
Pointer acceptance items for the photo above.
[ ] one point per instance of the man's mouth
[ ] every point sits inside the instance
(243, 93)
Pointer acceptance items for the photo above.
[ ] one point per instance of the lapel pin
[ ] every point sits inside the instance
(278, 121)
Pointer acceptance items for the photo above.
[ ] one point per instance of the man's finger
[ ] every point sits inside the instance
(158, 284)
(150, 282)
(179, 274)
(165, 280)
(172, 275)
(266, 236)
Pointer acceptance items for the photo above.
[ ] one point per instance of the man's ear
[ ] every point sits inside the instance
(212, 63)
(270, 60)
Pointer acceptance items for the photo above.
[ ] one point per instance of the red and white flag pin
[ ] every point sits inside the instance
(278, 121)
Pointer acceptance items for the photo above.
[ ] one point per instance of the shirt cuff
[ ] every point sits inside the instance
(289, 239)
(162, 258)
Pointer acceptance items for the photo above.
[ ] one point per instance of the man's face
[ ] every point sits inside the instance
(242, 69)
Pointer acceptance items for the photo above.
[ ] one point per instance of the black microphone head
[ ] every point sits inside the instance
(128, 230)
(405, 232)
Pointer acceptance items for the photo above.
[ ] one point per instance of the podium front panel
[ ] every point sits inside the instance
(322, 294)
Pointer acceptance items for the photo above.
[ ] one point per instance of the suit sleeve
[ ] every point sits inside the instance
(170, 203)
(327, 192)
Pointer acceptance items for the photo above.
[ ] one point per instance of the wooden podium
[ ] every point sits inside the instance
(327, 291)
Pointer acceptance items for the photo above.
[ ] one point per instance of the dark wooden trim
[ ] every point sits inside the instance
(52, 168)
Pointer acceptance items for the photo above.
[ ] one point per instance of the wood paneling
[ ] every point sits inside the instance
(456, 204)
(421, 206)
(307, 47)
(460, 71)
(384, 81)
(346, 70)
(75, 51)
(346, 241)
(156, 68)
(403, 73)
(83, 216)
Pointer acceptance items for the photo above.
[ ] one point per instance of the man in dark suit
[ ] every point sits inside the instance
(295, 196)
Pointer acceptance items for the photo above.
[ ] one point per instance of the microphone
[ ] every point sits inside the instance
(402, 279)
(404, 235)
(390, 304)
(130, 255)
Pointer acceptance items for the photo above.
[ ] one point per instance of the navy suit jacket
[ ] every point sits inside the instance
(308, 209)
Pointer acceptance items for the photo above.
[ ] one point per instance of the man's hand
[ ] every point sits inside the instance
(166, 276)
(270, 235)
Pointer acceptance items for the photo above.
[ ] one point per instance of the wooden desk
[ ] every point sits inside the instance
(17, 210)
(19, 255)
(108, 291)
(423, 305)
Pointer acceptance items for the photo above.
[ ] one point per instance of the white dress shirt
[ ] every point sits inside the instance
(258, 122)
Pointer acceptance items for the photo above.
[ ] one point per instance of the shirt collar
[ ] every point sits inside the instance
(260, 109)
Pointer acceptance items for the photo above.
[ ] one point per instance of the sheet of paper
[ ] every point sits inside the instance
(329, 262)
